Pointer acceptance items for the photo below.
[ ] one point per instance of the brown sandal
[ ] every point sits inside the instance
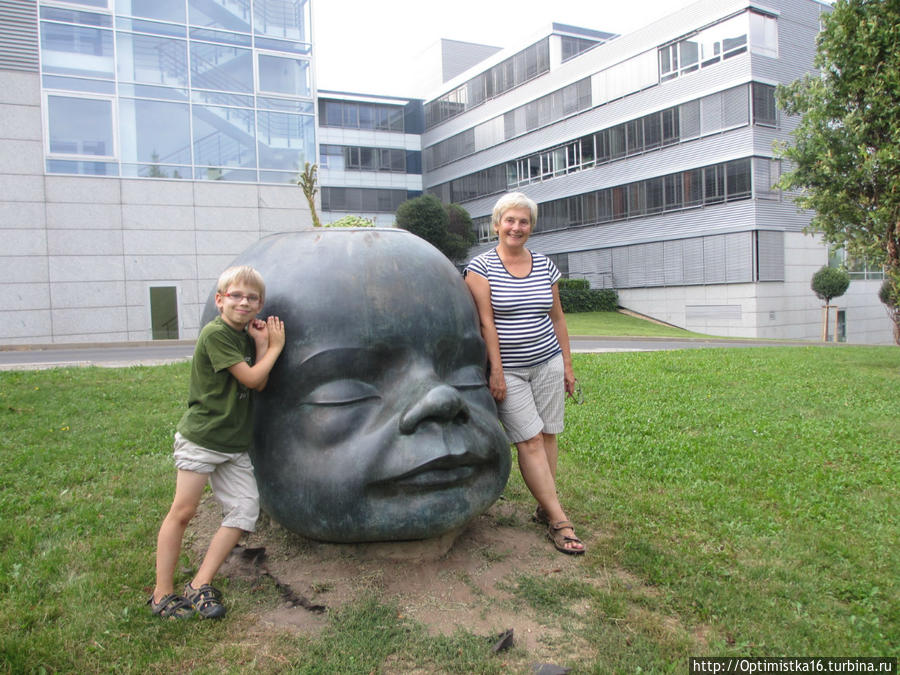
(560, 540)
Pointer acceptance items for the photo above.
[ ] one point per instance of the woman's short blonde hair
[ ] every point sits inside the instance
(514, 200)
(242, 274)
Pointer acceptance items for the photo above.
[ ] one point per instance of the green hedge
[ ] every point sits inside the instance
(576, 295)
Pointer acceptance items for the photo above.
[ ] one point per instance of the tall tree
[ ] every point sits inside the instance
(846, 151)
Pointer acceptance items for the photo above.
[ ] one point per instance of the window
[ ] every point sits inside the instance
(164, 313)
(737, 179)
(764, 111)
(80, 126)
(281, 75)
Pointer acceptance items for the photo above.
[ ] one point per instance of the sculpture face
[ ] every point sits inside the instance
(377, 424)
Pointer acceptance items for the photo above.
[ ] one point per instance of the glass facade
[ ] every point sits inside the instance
(178, 88)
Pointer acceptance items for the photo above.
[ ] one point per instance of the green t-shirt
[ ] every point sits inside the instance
(219, 414)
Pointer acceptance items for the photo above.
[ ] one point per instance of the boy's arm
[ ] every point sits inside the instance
(269, 338)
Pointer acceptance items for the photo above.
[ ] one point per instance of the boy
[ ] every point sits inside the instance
(213, 437)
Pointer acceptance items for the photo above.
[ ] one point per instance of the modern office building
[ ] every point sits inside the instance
(145, 143)
(651, 158)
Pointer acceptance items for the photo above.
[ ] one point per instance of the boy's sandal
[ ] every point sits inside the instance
(540, 516)
(172, 606)
(205, 600)
(554, 532)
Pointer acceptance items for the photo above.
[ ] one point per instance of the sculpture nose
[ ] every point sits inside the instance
(441, 403)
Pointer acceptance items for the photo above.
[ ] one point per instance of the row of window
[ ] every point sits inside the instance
(71, 51)
(710, 114)
(280, 19)
(571, 99)
(717, 183)
(364, 200)
(517, 69)
(353, 115)
(721, 41)
(354, 158)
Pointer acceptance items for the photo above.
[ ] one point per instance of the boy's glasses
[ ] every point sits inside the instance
(252, 298)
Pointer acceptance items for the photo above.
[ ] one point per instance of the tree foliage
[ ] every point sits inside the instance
(447, 228)
(830, 282)
(845, 155)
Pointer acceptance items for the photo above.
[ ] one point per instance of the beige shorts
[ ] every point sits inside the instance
(535, 400)
(230, 477)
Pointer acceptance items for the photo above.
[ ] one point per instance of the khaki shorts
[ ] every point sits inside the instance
(535, 400)
(230, 477)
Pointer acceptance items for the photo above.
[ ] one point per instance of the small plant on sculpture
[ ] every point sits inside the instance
(308, 182)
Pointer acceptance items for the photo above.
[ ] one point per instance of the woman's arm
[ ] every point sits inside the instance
(481, 292)
(562, 336)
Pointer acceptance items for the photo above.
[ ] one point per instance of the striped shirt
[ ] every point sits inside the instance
(521, 308)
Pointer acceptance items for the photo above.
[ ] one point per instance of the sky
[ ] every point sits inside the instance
(372, 46)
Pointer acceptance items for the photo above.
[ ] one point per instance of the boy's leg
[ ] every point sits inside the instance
(223, 542)
(188, 490)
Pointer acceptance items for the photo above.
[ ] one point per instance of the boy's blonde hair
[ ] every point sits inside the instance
(243, 274)
(514, 200)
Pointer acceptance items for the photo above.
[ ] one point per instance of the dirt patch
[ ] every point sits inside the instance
(458, 582)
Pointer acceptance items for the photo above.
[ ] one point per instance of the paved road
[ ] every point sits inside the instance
(155, 353)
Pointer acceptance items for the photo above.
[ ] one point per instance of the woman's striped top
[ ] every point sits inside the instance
(521, 308)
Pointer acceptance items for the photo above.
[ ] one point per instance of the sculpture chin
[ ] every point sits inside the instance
(377, 423)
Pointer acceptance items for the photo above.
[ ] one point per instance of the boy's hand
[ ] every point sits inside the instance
(275, 331)
(259, 331)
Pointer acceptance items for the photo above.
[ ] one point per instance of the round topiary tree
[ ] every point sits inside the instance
(828, 283)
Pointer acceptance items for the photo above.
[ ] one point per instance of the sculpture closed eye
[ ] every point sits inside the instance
(378, 427)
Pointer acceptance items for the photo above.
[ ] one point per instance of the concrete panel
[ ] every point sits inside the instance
(25, 269)
(208, 193)
(285, 220)
(227, 218)
(77, 269)
(84, 242)
(286, 197)
(158, 242)
(18, 188)
(100, 323)
(158, 192)
(209, 267)
(18, 215)
(225, 243)
(88, 294)
(83, 190)
(25, 327)
(84, 216)
(21, 297)
(157, 217)
(24, 242)
(172, 268)
(22, 157)
(21, 123)
(20, 88)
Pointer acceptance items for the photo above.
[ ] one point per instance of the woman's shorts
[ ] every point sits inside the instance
(230, 477)
(535, 400)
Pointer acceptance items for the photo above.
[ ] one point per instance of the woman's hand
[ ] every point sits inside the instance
(497, 384)
(569, 377)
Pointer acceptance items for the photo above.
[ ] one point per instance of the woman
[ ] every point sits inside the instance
(523, 325)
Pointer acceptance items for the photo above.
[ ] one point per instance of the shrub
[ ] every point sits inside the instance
(352, 221)
(587, 299)
(574, 284)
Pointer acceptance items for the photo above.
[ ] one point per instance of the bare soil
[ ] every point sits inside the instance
(459, 581)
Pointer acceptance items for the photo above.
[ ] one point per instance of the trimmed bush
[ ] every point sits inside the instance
(584, 299)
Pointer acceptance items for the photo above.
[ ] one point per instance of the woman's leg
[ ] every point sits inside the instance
(535, 467)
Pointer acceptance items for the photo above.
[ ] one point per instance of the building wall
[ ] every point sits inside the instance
(81, 253)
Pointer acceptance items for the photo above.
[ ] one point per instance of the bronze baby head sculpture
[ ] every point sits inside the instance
(376, 424)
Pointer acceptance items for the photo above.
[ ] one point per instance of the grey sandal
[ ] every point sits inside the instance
(171, 606)
(206, 600)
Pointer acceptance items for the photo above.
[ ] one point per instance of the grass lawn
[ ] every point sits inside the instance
(746, 498)
(614, 324)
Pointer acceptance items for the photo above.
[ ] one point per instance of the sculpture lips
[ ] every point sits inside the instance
(439, 472)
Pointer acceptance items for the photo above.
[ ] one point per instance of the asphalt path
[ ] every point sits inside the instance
(119, 355)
